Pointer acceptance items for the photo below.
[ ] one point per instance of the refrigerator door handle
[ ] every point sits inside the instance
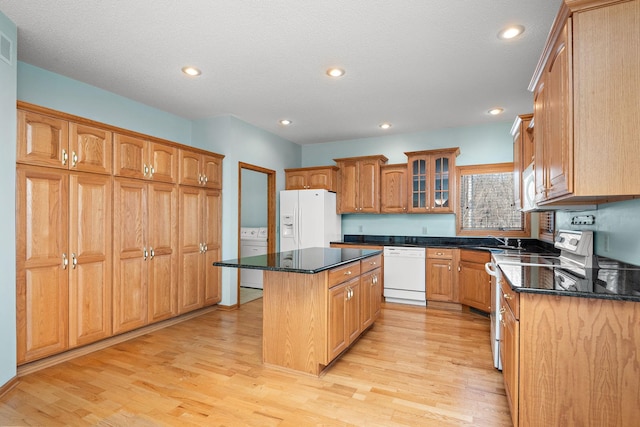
(295, 225)
(299, 227)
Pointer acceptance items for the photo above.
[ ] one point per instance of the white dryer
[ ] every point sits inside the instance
(253, 242)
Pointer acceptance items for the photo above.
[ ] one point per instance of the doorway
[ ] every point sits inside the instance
(256, 208)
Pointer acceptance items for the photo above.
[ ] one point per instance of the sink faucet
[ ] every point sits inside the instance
(505, 242)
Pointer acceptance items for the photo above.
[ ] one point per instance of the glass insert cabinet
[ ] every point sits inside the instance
(431, 180)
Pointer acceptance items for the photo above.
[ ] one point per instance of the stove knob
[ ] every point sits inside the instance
(573, 242)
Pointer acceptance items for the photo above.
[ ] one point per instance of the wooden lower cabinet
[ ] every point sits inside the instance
(474, 284)
(440, 279)
(344, 316)
(569, 360)
(63, 260)
(199, 247)
(145, 236)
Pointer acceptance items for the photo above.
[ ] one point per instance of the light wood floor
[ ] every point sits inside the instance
(415, 367)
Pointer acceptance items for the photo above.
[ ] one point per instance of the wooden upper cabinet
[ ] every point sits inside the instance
(586, 91)
(42, 140)
(90, 149)
(200, 170)
(54, 142)
(360, 184)
(322, 177)
(431, 183)
(393, 188)
(521, 132)
(142, 159)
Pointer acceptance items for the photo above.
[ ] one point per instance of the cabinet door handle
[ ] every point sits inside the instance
(74, 260)
(205, 247)
(439, 253)
(152, 170)
(152, 253)
(65, 156)
(502, 310)
(74, 159)
(145, 254)
(507, 296)
(65, 261)
(347, 273)
(145, 169)
(459, 268)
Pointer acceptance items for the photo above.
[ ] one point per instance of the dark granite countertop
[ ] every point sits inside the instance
(622, 282)
(307, 261)
(478, 243)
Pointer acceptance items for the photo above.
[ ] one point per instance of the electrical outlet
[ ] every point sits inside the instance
(606, 243)
(360, 228)
(424, 230)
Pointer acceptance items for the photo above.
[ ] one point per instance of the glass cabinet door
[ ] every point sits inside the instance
(441, 183)
(419, 181)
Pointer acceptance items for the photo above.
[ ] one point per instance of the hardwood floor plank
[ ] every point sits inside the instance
(414, 367)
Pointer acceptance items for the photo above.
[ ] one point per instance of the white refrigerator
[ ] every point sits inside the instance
(308, 219)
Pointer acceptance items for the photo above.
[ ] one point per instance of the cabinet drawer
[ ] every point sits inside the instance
(370, 263)
(440, 253)
(344, 273)
(480, 257)
(511, 297)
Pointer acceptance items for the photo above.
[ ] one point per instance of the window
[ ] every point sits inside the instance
(547, 227)
(487, 202)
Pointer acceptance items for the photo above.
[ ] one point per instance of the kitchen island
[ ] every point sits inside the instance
(316, 303)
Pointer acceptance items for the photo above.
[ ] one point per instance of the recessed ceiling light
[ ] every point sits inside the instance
(285, 122)
(511, 32)
(385, 125)
(191, 71)
(335, 72)
(495, 111)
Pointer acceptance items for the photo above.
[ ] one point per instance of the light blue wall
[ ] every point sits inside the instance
(490, 143)
(254, 199)
(42, 87)
(617, 222)
(8, 76)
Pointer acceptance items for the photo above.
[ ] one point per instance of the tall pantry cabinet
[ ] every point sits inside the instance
(145, 232)
(99, 222)
(63, 246)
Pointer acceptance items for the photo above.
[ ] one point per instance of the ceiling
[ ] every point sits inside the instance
(418, 64)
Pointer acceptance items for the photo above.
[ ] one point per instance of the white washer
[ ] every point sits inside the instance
(253, 242)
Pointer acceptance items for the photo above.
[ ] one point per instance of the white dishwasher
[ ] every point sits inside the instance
(404, 275)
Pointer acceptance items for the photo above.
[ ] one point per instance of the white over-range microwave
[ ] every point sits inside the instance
(528, 189)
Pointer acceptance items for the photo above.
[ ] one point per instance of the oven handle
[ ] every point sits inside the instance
(491, 269)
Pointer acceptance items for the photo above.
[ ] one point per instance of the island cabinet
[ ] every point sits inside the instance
(316, 178)
(393, 188)
(431, 180)
(474, 283)
(359, 188)
(310, 319)
(522, 133)
(441, 282)
(569, 360)
(586, 88)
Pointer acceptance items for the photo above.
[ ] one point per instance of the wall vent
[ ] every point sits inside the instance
(5, 48)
